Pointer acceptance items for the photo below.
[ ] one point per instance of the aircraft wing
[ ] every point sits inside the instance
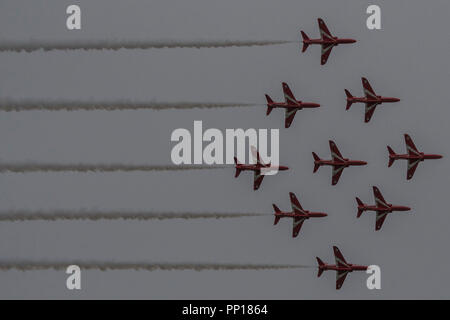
(412, 166)
(258, 178)
(335, 154)
(410, 146)
(256, 157)
(288, 95)
(340, 260)
(379, 199)
(297, 225)
(296, 206)
(340, 278)
(379, 220)
(326, 50)
(370, 109)
(368, 91)
(290, 115)
(336, 174)
(325, 34)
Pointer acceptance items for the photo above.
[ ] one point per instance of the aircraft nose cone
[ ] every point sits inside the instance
(283, 168)
(353, 41)
(363, 163)
(396, 100)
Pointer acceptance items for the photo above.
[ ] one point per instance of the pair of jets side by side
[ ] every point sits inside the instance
(299, 215)
(292, 105)
(339, 163)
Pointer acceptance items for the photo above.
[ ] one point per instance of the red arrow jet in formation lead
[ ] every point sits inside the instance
(327, 41)
(291, 105)
(338, 162)
(298, 214)
(341, 267)
(381, 207)
(371, 99)
(413, 156)
(256, 168)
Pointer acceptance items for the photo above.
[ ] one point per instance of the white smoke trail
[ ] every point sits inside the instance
(114, 45)
(49, 167)
(105, 266)
(16, 215)
(18, 106)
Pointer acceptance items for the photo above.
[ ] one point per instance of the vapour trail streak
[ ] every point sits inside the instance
(105, 266)
(116, 215)
(111, 45)
(17, 106)
(31, 167)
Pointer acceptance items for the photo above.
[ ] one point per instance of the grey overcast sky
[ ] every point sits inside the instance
(408, 59)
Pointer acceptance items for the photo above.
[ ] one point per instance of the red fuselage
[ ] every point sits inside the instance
(350, 268)
(306, 215)
(334, 41)
(258, 167)
(421, 156)
(378, 100)
(345, 163)
(299, 105)
(388, 209)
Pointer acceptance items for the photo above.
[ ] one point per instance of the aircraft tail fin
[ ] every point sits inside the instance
(316, 163)
(349, 99)
(276, 220)
(238, 171)
(392, 155)
(269, 101)
(277, 210)
(360, 207)
(305, 41)
(321, 264)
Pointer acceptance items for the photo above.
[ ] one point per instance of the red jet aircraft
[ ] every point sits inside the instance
(327, 41)
(339, 163)
(381, 207)
(341, 267)
(371, 99)
(413, 156)
(291, 105)
(298, 214)
(256, 168)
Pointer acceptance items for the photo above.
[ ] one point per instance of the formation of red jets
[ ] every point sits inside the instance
(337, 162)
